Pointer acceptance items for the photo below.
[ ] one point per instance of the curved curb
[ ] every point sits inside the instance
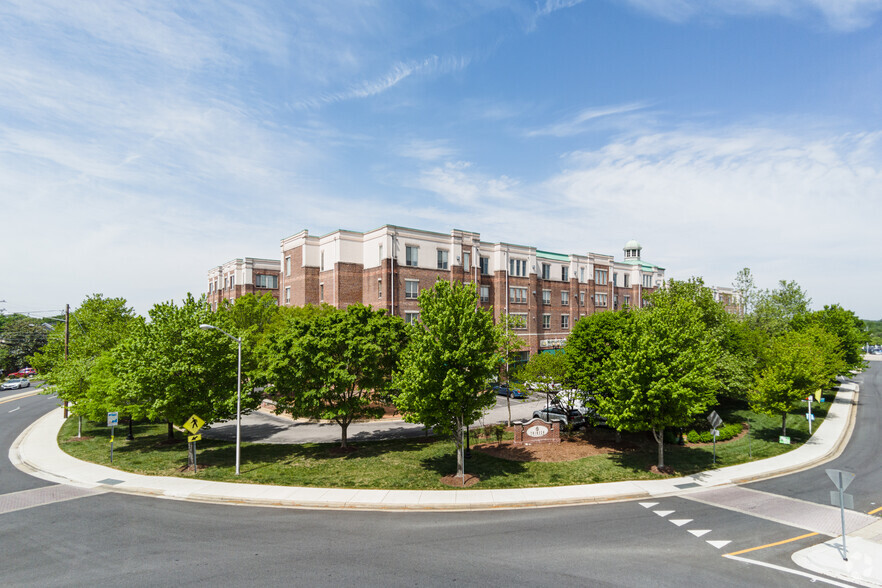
(67, 467)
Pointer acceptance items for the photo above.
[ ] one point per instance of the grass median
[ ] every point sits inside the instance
(418, 464)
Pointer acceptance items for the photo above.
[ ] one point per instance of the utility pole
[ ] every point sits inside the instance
(66, 341)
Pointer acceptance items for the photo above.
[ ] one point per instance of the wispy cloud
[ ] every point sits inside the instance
(841, 15)
(576, 124)
(399, 72)
(426, 150)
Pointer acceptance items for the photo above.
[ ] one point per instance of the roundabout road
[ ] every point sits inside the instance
(59, 536)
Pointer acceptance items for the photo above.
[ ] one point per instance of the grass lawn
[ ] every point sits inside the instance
(418, 464)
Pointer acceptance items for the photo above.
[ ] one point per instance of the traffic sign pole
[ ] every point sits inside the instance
(842, 514)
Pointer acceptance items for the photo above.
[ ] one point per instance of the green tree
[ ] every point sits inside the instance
(333, 365)
(851, 336)
(795, 368)
(775, 311)
(592, 341)
(509, 344)
(547, 373)
(98, 325)
(663, 372)
(169, 368)
(452, 354)
(20, 337)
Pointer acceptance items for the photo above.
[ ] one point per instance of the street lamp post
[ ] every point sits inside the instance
(238, 390)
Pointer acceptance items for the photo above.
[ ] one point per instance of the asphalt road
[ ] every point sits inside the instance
(114, 539)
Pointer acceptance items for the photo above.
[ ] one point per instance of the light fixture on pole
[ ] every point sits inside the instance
(238, 390)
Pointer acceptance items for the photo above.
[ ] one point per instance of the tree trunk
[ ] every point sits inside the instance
(458, 441)
(784, 424)
(131, 435)
(660, 439)
(79, 426)
(508, 403)
(343, 428)
(171, 431)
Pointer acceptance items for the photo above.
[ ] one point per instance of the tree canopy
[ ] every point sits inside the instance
(452, 353)
(333, 365)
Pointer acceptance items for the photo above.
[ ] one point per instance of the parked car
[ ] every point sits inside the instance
(572, 418)
(15, 384)
(24, 373)
(505, 390)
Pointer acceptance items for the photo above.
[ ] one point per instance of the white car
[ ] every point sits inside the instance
(15, 384)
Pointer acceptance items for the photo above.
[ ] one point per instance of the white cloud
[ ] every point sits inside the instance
(842, 15)
(577, 124)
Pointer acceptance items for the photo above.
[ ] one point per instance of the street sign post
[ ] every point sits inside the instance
(715, 421)
(839, 498)
(112, 422)
(193, 424)
(809, 414)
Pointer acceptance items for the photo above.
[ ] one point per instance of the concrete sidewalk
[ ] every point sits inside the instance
(36, 452)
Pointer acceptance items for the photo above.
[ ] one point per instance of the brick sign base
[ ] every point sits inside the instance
(536, 431)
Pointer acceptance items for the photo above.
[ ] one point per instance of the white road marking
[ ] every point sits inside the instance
(812, 577)
(680, 522)
(662, 513)
(15, 409)
(699, 532)
(719, 544)
(647, 504)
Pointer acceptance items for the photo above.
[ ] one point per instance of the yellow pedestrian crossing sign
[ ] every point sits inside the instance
(193, 424)
(194, 438)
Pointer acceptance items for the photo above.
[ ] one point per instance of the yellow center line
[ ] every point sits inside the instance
(875, 510)
(20, 396)
(772, 544)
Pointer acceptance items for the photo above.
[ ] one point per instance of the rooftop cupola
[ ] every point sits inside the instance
(632, 250)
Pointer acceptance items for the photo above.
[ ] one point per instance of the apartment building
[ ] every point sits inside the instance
(388, 267)
(245, 275)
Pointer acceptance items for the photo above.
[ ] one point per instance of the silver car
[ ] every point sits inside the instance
(15, 384)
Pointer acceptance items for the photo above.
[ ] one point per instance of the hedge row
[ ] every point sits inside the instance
(726, 433)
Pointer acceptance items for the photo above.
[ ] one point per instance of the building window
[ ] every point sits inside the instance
(564, 273)
(287, 294)
(647, 280)
(266, 281)
(600, 277)
(411, 317)
(518, 295)
(321, 292)
(232, 280)
(379, 287)
(485, 266)
(565, 298)
(323, 261)
(411, 289)
(600, 299)
(627, 280)
(546, 296)
(485, 293)
(288, 266)
(546, 271)
(518, 321)
(466, 260)
(564, 321)
(380, 252)
(615, 279)
(627, 300)
(517, 267)
(581, 274)
(411, 255)
(615, 301)
(546, 321)
(226, 282)
(209, 287)
(582, 298)
(442, 259)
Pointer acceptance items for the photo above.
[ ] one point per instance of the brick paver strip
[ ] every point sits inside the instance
(789, 511)
(40, 496)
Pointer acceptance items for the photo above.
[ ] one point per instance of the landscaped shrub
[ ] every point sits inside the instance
(726, 433)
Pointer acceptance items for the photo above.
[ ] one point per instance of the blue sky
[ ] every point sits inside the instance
(142, 143)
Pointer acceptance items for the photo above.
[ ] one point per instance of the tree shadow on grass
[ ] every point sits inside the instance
(487, 468)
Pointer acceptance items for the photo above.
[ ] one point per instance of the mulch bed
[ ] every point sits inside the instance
(566, 450)
(457, 481)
